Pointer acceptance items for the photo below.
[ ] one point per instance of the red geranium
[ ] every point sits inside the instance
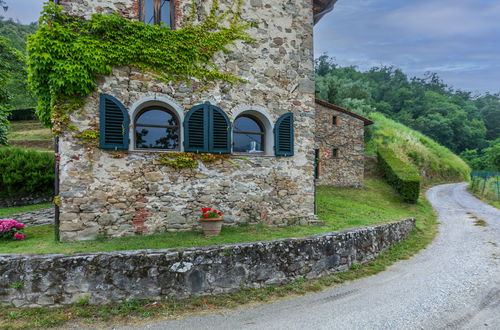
(208, 212)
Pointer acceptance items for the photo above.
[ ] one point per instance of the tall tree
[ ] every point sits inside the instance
(10, 61)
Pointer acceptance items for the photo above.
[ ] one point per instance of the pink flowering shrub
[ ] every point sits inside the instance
(11, 230)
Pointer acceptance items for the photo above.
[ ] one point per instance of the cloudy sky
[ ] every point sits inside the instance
(458, 39)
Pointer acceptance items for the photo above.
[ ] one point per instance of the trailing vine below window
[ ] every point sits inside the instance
(190, 159)
(67, 54)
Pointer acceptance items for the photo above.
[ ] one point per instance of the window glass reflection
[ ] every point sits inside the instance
(248, 135)
(157, 129)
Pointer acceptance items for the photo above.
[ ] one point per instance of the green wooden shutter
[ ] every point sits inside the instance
(114, 124)
(196, 129)
(219, 133)
(284, 135)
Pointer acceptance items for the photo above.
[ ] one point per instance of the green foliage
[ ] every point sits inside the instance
(67, 54)
(403, 177)
(10, 59)
(17, 285)
(178, 160)
(25, 172)
(434, 162)
(89, 138)
(17, 86)
(453, 118)
(487, 159)
(83, 300)
(190, 159)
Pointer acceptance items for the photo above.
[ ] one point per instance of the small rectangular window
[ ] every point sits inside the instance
(335, 153)
(335, 120)
(157, 12)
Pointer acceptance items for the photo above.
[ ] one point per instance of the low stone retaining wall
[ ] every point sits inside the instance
(25, 200)
(34, 218)
(47, 280)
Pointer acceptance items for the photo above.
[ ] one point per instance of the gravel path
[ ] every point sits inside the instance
(34, 218)
(453, 284)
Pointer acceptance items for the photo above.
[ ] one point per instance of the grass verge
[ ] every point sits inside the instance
(339, 208)
(135, 311)
(485, 198)
(21, 209)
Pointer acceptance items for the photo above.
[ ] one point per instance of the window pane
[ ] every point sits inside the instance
(157, 138)
(246, 124)
(248, 143)
(156, 117)
(165, 12)
(149, 17)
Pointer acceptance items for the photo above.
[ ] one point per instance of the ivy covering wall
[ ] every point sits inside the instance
(67, 54)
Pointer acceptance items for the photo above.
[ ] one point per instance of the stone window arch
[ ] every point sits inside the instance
(157, 125)
(253, 124)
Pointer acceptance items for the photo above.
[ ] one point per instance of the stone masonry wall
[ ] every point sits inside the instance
(348, 137)
(116, 276)
(103, 194)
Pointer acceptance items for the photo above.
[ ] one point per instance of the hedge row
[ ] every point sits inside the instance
(403, 177)
(22, 114)
(26, 172)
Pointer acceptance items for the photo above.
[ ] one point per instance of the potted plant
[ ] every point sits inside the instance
(211, 221)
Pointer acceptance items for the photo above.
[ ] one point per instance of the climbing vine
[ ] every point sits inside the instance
(89, 138)
(190, 159)
(67, 54)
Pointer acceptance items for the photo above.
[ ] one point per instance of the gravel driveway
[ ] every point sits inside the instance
(453, 284)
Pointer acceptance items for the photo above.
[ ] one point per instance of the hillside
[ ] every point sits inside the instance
(434, 162)
(466, 123)
(16, 35)
(30, 134)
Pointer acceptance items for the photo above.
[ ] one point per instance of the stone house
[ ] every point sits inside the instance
(266, 126)
(339, 153)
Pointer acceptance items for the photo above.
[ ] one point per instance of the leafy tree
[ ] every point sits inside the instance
(492, 155)
(9, 60)
(455, 118)
(17, 33)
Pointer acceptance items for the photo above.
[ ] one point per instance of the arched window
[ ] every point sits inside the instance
(248, 135)
(157, 128)
(156, 12)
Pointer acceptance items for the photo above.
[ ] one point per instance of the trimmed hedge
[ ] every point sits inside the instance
(26, 172)
(22, 114)
(403, 177)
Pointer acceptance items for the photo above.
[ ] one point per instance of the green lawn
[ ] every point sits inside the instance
(20, 209)
(339, 208)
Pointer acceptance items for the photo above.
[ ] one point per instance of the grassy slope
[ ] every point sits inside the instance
(339, 208)
(30, 134)
(435, 162)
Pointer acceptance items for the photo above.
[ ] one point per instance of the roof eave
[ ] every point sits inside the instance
(332, 106)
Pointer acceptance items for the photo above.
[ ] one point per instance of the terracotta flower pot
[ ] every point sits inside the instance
(211, 226)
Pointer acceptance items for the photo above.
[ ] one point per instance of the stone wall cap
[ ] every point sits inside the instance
(347, 112)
